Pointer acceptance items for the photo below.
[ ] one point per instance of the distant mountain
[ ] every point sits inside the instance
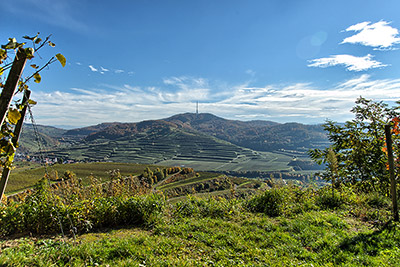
(202, 140)
(258, 135)
(150, 142)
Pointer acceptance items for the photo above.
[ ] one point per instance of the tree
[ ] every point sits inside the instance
(358, 147)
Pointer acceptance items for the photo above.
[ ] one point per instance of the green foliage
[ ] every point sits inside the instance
(357, 146)
(270, 202)
(327, 199)
(116, 203)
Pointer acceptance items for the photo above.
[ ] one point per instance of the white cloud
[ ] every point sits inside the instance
(352, 63)
(301, 102)
(119, 71)
(93, 68)
(104, 69)
(379, 35)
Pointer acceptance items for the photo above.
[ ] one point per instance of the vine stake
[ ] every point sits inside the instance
(388, 133)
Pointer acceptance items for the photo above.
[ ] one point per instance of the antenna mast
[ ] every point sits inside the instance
(197, 107)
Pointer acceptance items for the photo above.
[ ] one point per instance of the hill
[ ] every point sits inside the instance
(202, 141)
(48, 136)
(257, 135)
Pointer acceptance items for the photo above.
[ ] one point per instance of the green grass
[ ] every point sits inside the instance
(219, 232)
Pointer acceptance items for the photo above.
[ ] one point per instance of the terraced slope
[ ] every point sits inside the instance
(158, 142)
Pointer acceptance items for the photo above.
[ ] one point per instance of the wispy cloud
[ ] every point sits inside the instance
(103, 70)
(352, 63)
(302, 102)
(93, 68)
(379, 35)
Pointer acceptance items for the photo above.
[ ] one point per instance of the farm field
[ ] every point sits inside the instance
(263, 161)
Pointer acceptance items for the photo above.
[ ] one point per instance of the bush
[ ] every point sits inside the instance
(41, 212)
(270, 202)
(328, 199)
(143, 210)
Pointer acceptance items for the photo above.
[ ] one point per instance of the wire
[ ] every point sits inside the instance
(44, 163)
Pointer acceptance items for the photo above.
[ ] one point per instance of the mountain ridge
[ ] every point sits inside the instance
(256, 134)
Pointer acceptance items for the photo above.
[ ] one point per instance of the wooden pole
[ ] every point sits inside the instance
(11, 83)
(388, 134)
(17, 133)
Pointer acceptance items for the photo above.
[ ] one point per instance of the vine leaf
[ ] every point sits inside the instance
(62, 59)
(29, 52)
(12, 44)
(13, 116)
(37, 77)
(3, 55)
(32, 102)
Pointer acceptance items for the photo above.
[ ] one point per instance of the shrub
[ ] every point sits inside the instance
(328, 199)
(270, 202)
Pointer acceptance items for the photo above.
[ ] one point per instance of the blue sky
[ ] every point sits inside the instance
(280, 60)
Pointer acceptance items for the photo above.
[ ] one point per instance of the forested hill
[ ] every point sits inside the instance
(258, 135)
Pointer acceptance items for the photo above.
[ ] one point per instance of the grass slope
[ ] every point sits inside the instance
(221, 232)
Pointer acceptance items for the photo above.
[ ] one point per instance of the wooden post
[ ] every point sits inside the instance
(388, 134)
(11, 83)
(17, 133)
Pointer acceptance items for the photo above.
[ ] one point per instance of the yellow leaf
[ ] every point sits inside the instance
(13, 116)
(37, 77)
(32, 102)
(62, 59)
